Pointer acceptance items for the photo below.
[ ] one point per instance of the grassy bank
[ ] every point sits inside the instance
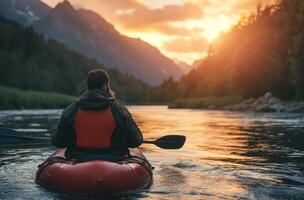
(206, 102)
(11, 98)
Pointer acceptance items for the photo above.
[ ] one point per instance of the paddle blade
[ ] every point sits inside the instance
(170, 141)
(11, 137)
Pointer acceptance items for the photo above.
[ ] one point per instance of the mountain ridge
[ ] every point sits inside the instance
(89, 34)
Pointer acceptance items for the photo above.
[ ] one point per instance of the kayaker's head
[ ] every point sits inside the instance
(98, 79)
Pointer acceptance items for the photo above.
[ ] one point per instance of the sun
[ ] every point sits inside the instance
(213, 27)
(211, 34)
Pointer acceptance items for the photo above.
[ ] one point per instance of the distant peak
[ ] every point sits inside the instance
(65, 5)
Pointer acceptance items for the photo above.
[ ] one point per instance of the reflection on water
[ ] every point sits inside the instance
(227, 155)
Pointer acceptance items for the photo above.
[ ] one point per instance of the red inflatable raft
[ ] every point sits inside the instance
(95, 177)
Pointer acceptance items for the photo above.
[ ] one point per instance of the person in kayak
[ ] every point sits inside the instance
(97, 126)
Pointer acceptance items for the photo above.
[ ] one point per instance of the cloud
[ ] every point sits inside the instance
(168, 29)
(136, 15)
(109, 6)
(186, 45)
(247, 6)
(179, 28)
(145, 17)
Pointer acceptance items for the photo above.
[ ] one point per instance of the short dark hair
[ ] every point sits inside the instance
(97, 78)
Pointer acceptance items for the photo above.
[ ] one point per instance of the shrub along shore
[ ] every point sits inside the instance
(206, 102)
(266, 103)
(12, 98)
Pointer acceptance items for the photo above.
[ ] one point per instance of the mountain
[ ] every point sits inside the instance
(89, 34)
(186, 67)
(29, 62)
(198, 63)
(25, 12)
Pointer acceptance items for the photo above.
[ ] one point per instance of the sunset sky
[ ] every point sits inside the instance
(181, 29)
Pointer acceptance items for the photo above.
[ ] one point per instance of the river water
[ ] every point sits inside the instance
(227, 155)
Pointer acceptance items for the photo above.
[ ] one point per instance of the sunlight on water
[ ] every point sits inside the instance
(227, 155)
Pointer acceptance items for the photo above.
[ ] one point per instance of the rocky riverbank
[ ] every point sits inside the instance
(267, 103)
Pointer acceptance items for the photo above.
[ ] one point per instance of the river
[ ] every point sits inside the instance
(227, 155)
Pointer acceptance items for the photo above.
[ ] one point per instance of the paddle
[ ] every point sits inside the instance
(12, 137)
(169, 142)
(9, 137)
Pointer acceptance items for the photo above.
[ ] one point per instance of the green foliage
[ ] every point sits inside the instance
(206, 102)
(263, 53)
(29, 62)
(166, 92)
(129, 89)
(11, 98)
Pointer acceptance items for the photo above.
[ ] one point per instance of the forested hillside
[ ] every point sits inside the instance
(89, 34)
(29, 62)
(264, 52)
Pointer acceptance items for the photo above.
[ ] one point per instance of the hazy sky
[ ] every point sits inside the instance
(181, 29)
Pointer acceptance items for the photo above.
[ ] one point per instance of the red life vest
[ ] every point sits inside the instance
(94, 128)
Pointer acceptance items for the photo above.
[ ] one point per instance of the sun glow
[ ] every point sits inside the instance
(213, 27)
(154, 38)
(161, 21)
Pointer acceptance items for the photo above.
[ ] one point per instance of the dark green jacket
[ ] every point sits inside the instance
(126, 134)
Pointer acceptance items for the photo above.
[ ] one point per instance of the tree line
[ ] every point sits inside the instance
(30, 62)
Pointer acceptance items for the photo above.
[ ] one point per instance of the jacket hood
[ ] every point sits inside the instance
(94, 100)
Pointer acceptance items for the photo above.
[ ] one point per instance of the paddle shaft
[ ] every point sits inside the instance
(165, 142)
(148, 142)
